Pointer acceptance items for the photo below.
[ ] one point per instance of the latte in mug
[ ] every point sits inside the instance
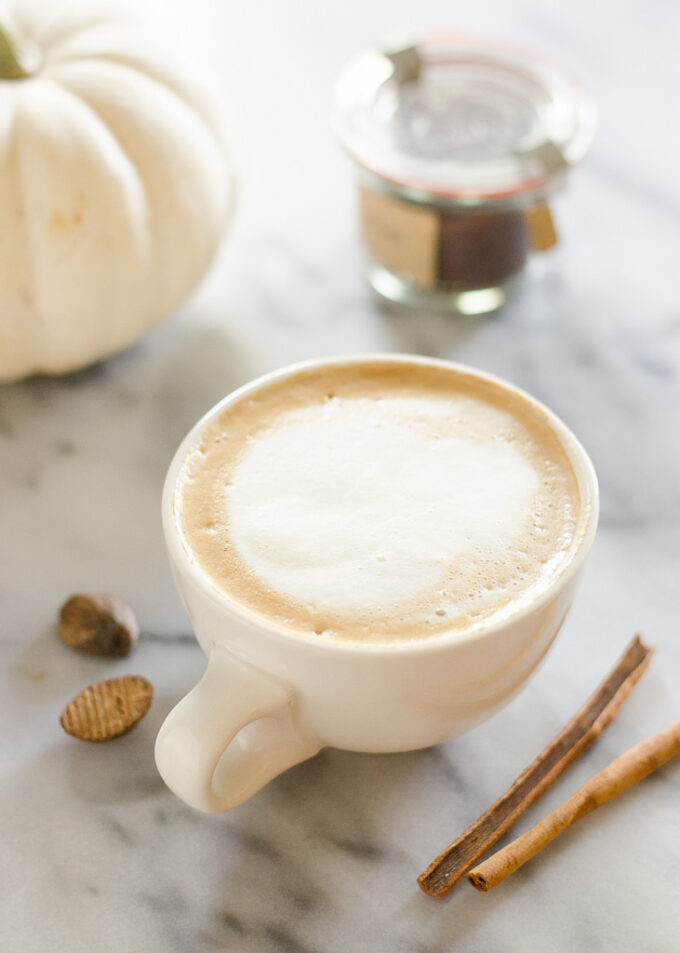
(380, 501)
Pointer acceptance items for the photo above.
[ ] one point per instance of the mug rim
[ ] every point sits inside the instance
(584, 471)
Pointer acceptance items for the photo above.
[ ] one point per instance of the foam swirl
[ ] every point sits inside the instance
(380, 502)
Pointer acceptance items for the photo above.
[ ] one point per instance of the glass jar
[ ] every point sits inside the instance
(459, 144)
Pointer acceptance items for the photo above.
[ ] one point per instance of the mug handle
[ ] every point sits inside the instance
(229, 736)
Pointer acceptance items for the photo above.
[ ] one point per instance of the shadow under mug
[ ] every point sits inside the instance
(270, 698)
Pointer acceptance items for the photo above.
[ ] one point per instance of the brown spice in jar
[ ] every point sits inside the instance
(480, 249)
(439, 248)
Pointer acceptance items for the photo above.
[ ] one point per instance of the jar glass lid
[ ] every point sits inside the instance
(462, 118)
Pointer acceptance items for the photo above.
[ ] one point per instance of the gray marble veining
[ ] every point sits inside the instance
(96, 856)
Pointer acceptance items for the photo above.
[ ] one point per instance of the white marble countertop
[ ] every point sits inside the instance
(96, 855)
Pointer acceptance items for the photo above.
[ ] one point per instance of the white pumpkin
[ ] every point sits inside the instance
(114, 189)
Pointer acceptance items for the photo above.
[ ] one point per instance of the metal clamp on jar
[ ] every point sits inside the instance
(459, 144)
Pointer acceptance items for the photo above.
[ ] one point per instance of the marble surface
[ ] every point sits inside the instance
(95, 853)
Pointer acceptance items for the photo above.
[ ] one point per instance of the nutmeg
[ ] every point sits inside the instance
(107, 709)
(98, 625)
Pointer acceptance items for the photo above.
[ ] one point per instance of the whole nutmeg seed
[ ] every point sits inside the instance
(108, 709)
(98, 625)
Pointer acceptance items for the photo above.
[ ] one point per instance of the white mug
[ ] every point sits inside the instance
(270, 698)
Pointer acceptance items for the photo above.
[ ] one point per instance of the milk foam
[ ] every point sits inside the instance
(380, 502)
(347, 506)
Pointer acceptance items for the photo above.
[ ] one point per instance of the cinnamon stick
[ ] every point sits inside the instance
(617, 777)
(572, 741)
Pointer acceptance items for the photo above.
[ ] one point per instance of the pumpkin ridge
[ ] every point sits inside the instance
(138, 64)
(22, 236)
(110, 135)
(42, 332)
(110, 113)
(147, 72)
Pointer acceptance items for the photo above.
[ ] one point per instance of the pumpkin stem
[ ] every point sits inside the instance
(14, 62)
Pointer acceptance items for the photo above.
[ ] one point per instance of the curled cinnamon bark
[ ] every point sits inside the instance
(569, 744)
(633, 766)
